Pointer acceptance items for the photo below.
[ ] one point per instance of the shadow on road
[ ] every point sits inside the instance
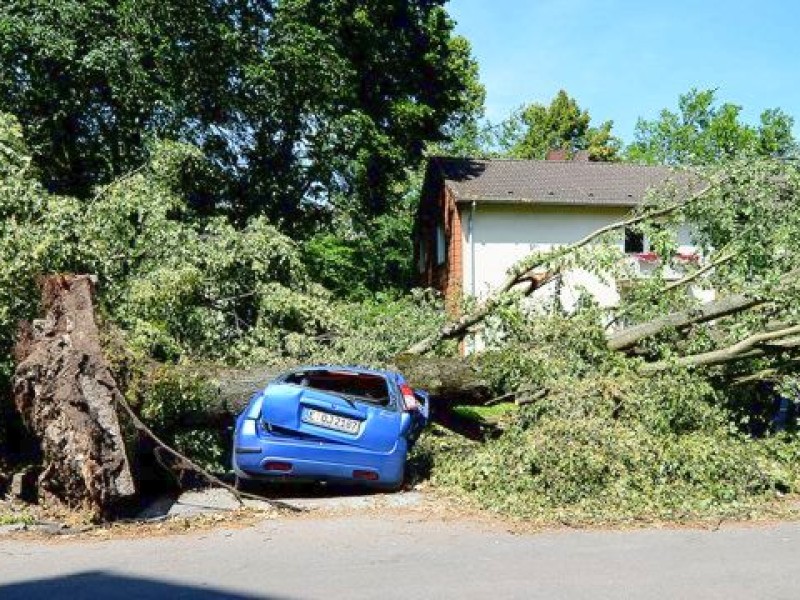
(285, 490)
(101, 584)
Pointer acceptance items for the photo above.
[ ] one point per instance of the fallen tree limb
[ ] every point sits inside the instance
(767, 374)
(513, 395)
(538, 395)
(750, 347)
(678, 284)
(628, 338)
(460, 327)
(703, 270)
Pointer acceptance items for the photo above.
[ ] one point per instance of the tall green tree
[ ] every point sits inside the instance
(535, 129)
(355, 90)
(300, 104)
(703, 132)
(94, 80)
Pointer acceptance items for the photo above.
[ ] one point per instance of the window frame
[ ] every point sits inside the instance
(441, 245)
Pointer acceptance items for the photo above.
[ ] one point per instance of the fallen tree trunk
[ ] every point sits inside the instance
(729, 305)
(448, 380)
(67, 397)
(630, 336)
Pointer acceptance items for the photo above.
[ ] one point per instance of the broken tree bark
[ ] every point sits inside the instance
(66, 395)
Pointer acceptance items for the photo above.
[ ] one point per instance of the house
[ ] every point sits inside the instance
(477, 218)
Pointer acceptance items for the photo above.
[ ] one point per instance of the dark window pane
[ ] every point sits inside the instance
(634, 242)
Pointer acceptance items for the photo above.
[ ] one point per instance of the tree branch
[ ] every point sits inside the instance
(749, 347)
(676, 284)
(140, 426)
(692, 276)
(728, 305)
(767, 374)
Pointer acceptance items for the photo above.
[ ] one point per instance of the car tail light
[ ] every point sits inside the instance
(410, 402)
(275, 465)
(368, 475)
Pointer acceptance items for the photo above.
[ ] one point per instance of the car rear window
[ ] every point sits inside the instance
(364, 387)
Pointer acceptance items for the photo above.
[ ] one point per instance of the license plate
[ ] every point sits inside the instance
(329, 421)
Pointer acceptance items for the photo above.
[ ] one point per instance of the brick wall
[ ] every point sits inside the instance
(447, 277)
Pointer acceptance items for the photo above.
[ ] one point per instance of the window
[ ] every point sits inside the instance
(362, 387)
(634, 242)
(441, 252)
(423, 256)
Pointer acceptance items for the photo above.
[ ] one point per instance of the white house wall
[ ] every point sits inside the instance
(504, 234)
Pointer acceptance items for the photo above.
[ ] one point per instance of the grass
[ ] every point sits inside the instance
(485, 414)
(16, 518)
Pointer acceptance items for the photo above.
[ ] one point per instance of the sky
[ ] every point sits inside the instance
(622, 59)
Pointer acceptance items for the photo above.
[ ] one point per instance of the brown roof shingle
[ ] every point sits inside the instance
(551, 181)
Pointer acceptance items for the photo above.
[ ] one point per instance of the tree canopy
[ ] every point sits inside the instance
(535, 129)
(298, 103)
(704, 132)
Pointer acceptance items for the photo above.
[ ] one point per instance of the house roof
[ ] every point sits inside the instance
(551, 181)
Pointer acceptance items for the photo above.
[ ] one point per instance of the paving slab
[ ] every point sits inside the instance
(213, 500)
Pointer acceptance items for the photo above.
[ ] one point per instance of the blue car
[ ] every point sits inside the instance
(326, 423)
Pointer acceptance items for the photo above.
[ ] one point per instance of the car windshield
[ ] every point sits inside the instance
(364, 387)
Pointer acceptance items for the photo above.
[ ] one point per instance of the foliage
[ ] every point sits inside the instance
(16, 518)
(535, 129)
(596, 469)
(747, 222)
(293, 101)
(602, 438)
(368, 333)
(92, 81)
(703, 132)
(607, 444)
(177, 284)
(181, 288)
(485, 414)
(355, 260)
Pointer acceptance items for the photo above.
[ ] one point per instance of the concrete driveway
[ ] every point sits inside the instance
(405, 556)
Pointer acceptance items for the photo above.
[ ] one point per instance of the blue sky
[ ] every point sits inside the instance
(622, 59)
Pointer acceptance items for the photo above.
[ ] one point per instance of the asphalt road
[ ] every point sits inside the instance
(401, 556)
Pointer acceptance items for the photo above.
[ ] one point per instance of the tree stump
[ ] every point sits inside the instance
(67, 397)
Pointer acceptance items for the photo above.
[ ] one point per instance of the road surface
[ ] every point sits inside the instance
(401, 556)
